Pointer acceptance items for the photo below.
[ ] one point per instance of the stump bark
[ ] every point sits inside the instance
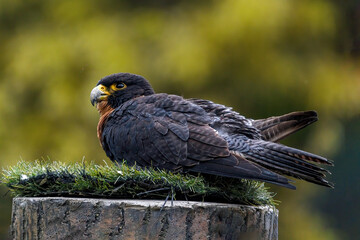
(84, 218)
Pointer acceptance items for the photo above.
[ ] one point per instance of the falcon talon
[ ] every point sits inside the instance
(166, 199)
(171, 133)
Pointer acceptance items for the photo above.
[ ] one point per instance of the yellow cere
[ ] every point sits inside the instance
(104, 89)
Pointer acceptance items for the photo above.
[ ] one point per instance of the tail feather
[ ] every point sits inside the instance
(292, 161)
(275, 128)
(297, 153)
(291, 171)
(288, 161)
(271, 159)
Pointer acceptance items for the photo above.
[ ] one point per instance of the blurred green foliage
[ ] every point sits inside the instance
(261, 57)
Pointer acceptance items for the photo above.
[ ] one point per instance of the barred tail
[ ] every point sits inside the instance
(288, 161)
(275, 128)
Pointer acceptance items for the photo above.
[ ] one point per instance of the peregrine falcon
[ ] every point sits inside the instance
(169, 132)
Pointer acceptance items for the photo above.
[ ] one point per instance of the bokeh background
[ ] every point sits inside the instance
(263, 58)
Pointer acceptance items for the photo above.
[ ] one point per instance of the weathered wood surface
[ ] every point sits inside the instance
(84, 218)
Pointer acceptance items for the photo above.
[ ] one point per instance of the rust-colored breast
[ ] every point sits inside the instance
(105, 110)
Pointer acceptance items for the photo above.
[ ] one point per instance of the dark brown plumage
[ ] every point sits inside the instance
(195, 135)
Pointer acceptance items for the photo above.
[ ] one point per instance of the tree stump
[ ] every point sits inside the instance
(84, 218)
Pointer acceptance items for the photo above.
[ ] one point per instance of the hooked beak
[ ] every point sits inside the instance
(98, 94)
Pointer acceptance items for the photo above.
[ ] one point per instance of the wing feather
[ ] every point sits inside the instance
(168, 132)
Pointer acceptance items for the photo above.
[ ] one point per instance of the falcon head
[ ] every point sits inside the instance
(118, 88)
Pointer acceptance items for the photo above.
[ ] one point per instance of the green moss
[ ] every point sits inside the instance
(45, 178)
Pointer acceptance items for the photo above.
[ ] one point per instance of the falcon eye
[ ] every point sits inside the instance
(118, 86)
